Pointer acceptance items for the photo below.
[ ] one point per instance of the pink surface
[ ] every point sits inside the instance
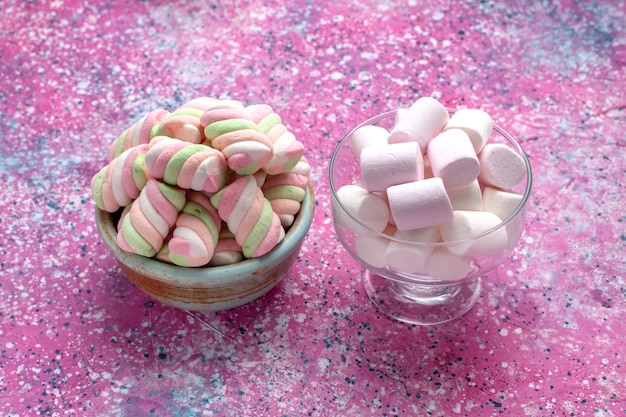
(547, 337)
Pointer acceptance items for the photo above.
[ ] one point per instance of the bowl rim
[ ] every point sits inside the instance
(174, 274)
(393, 113)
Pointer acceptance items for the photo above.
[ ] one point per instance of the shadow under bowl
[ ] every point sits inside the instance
(210, 288)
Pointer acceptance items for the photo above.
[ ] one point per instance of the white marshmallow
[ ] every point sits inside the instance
(452, 158)
(421, 123)
(419, 204)
(368, 135)
(467, 198)
(467, 224)
(476, 123)
(371, 249)
(501, 166)
(387, 165)
(367, 207)
(408, 258)
(446, 266)
(501, 203)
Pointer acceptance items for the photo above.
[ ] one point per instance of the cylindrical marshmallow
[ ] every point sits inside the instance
(369, 135)
(419, 204)
(452, 158)
(501, 166)
(409, 258)
(421, 123)
(446, 266)
(387, 165)
(371, 249)
(501, 203)
(468, 224)
(370, 209)
(476, 123)
(467, 198)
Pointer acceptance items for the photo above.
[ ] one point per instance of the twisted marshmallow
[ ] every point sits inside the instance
(190, 166)
(120, 182)
(285, 192)
(196, 233)
(227, 250)
(137, 134)
(249, 216)
(150, 218)
(287, 149)
(231, 130)
(184, 122)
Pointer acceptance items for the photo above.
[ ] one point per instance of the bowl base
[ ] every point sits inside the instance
(422, 304)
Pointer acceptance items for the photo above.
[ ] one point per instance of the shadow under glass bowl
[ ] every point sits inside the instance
(418, 297)
(210, 288)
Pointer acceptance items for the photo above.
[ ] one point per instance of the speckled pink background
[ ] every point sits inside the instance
(547, 337)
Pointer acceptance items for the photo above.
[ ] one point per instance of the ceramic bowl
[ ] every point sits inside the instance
(210, 288)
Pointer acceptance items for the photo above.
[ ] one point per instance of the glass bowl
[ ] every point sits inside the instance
(442, 289)
(211, 288)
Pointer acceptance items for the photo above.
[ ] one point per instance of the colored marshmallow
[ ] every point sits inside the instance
(227, 251)
(190, 166)
(167, 170)
(196, 232)
(249, 216)
(232, 131)
(139, 133)
(150, 218)
(287, 149)
(121, 181)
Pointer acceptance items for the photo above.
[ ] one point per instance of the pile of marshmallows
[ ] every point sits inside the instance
(431, 178)
(211, 183)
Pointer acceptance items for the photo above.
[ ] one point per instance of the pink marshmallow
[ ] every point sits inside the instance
(452, 158)
(421, 123)
(369, 135)
(476, 123)
(387, 165)
(501, 166)
(419, 204)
